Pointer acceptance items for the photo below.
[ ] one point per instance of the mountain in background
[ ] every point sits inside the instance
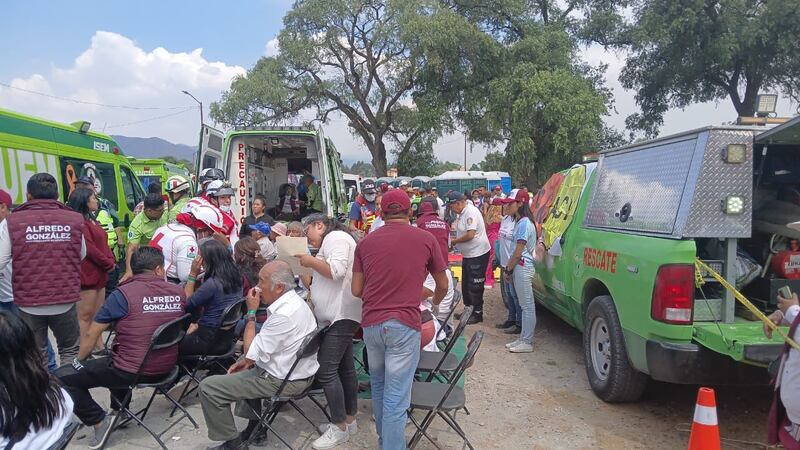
(154, 147)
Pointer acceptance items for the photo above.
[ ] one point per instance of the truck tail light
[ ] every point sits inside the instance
(673, 294)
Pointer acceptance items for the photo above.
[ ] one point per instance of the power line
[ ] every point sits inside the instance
(120, 125)
(81, 102)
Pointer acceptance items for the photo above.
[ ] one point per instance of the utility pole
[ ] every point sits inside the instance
(200, 144)
(465, 150)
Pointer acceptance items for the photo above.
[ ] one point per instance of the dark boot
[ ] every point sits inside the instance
(233, 444)
(506, 324)
(477, 317)
(513, 329)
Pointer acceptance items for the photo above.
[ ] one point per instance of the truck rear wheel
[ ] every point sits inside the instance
(610, 373)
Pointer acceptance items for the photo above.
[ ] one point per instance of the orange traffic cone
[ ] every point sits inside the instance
(705, 428)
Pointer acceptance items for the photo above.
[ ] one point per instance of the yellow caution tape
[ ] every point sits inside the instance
(744, 301)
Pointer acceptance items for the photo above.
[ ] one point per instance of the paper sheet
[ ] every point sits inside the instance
(290, 246)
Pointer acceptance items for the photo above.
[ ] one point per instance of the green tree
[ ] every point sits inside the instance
(493, 161)
(445, 166)
(352, 57)
(520, 83)
(362, 168)
(681, 52)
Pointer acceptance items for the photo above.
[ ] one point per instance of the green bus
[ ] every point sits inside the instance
(29, 145)
(156, 170)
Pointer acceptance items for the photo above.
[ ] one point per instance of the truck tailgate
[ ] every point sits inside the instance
(742, 340)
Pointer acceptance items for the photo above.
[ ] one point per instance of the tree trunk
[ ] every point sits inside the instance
(379, 158)
(747, 106)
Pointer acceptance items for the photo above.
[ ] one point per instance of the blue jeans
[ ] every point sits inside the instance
(393, 350)
(51, 355)
(511, 301)
(523, 285)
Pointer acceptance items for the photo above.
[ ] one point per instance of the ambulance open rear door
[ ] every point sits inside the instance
(211, 151)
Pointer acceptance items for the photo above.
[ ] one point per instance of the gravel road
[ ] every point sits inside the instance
(540, 400)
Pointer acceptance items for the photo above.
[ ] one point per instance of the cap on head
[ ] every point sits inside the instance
(454, 196)
(384, 187)
(83, 179)
(395, 202)
(5, 198)
(261, 227)
(279, 229)
(368, 186)
(516, 195)
(498, 188)
(426, 208)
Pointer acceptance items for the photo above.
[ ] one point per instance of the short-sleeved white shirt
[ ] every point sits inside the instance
(471, 219)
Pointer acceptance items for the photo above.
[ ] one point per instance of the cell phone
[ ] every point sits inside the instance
(785, 292)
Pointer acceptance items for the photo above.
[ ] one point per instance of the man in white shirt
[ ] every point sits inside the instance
(269, 356)
(472, 242)
(788, 381)
(260, 231)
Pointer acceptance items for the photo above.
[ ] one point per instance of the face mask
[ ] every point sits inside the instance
(370, 197)
(226, 208)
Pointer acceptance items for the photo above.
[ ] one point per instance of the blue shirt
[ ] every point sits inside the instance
(355, 210)
(209, 302)
(525, 230)
(114, 308)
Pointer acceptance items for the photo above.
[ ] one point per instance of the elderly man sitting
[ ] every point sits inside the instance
(269, 355)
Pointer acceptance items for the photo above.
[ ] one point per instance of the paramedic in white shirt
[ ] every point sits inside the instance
(268, 356)
(178, 240)
(472, 242)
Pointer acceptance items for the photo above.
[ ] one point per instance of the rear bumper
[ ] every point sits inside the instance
(695, 364)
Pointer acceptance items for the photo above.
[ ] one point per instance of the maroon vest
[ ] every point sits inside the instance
(45, 253)
(152, 302)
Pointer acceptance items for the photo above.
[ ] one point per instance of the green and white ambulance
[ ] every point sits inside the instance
(156, 170)
(30, 145)
(622, 237)
(260, 160)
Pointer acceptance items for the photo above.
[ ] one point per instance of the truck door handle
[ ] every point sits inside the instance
(624, 213)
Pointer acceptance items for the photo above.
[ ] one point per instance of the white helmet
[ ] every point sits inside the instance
(213, 187)
(210, 216)
(178, 183)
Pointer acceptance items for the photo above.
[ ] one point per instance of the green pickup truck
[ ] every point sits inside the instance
(621, 245)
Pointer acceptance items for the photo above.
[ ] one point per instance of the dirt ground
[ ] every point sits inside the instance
(540, 400)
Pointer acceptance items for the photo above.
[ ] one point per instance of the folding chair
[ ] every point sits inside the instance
(167, 335)
(230, 316)
(441, 399)
(66, 436)
(456, 300)
(309, 348)
(437, 363)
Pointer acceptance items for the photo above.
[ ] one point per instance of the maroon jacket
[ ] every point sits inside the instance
(152, 302)
(46, 253)
(99, 259)
(429, 221)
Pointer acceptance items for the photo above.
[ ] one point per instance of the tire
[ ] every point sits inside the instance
(608, 368)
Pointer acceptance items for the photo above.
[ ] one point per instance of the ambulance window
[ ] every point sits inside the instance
(130, 186)
(209, 161)
(105, 183)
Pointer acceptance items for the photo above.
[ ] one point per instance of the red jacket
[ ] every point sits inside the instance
(99, 259)
(46, 253)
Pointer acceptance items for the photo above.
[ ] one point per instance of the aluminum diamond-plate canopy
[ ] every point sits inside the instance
(674, 186)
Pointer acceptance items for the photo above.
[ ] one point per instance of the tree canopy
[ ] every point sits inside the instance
(682, 52)
(351, 57)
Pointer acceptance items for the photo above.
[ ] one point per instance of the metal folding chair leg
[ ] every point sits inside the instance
(321, 407)
(422, 430)
(265, 419)
(455, 426)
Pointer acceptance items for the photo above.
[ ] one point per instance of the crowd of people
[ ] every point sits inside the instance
(185, 254)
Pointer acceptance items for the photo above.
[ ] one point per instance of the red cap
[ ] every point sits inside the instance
(395, 201)
(426, 208)
(5, 198)
(517, 195)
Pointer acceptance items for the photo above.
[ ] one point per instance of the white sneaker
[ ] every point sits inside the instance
(352, 428)
(511, 344)
(521, 347)
(332, 437)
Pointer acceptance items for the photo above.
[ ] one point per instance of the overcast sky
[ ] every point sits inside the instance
(139, 56)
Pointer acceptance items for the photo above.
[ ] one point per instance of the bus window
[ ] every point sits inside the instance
(148, 180)
(105, 183)
(130, 186)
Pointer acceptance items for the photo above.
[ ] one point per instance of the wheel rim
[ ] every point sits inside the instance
(600, 342)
